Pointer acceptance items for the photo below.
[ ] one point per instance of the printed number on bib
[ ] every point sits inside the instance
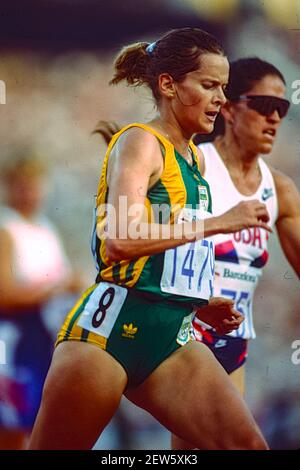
(103, 308)
(242, 304)
(189, 270)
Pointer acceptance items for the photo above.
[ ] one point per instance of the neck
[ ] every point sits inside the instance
(173, 132)
(23, 211)
(234, 156)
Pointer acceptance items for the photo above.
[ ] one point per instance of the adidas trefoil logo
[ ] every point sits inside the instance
(129, 331)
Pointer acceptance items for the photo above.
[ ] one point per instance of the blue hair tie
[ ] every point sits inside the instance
(150, 48)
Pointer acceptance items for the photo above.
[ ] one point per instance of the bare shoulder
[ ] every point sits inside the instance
(287, 193)
(281, 180)
(6, 246)
(5, 237)
(135, 152)
(137, 144)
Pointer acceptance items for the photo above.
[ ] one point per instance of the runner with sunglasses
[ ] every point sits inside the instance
(266, 105)
(247, 128)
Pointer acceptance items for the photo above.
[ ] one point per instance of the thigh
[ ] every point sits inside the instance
(238, 379)
(14, 439)
(191, 394)
(137, 332)
(81, 393)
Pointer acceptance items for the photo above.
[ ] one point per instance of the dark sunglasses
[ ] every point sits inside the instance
(266, 105)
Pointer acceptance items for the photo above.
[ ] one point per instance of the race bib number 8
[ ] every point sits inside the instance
(103, 308)
(189, 270)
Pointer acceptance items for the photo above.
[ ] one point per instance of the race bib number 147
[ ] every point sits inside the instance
(189, 270)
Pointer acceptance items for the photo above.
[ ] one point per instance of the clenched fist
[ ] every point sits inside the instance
(221, 315)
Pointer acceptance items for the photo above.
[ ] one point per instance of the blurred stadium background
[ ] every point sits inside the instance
(56, 61)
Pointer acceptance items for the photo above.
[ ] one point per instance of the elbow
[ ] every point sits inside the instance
(115, 250)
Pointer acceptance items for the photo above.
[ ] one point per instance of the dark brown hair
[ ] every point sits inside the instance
(107, 129)
(178, 52)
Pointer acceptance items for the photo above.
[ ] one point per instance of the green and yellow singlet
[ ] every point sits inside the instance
(178, 274)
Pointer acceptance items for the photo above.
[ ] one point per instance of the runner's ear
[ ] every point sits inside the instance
(228, 113)
(166, 85)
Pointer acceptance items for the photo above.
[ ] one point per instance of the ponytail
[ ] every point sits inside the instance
(107, 129)
(131, 65)
(177, 53)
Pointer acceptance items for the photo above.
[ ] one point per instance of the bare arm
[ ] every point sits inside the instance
(135, 165)
(288, 222)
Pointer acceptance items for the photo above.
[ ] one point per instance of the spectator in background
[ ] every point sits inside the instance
(33, 270)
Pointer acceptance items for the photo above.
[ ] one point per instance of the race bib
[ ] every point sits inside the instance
(238, 283)
(103, 308)
(203, 198)
(189, 269)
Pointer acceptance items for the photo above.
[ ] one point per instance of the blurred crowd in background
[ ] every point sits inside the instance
(56, 64)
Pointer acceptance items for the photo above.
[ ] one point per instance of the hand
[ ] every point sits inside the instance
(245, 214)
(221, 315)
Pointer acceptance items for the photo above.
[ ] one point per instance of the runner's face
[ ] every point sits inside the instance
(253, 131)
(26, 193)
(199, 97)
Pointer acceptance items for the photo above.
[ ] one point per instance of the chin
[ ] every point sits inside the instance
(206, 128)
(266, 148)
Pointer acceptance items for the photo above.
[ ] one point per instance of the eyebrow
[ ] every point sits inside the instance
(209, 78)
(213, 80)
